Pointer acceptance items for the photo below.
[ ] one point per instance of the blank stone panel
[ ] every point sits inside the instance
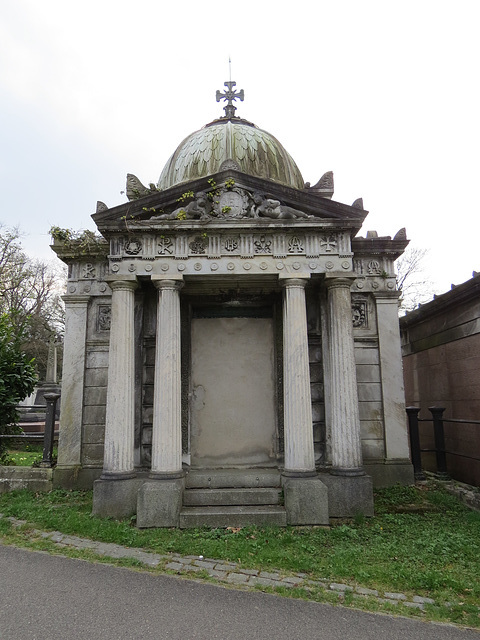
(369, 392)
(92, 455)
(97, 358)
(368, 373)
(96, 377)
(316, 372)
(370, 410)
(373, 449)
(318, 412)
(366, 355)
(95, 396)
(315, 353)
(93, 433)
(316, 389)
(94, 414)
(371, 429)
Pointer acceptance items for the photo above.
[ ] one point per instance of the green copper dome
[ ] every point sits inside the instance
(255, 151)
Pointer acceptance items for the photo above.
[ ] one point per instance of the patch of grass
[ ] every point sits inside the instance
(421, 541)
(26, 455)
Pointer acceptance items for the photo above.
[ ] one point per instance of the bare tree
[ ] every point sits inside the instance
(30, 293)
(416, 287)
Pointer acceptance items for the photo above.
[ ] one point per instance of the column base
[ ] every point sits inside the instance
(306, 500)
(159, 503)
(349, 495)
(115, 498)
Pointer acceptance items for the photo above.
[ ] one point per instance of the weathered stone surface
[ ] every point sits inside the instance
(306, 501)
(159, 503)
(115, 498)
(348, 496)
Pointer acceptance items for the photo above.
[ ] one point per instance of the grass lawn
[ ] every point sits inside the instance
(27, 455)
(421, 541)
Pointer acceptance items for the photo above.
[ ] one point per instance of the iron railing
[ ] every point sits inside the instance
(48, 435)
(439, 441)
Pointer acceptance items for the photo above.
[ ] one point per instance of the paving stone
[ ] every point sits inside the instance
(204, 565)
(174, 566)
(384, 600)
(190, 568)
(237, 578)
(248, 572)
(293, 580)
(334, 586)
(269, 575)
(423, 600)
(264, 582)
(395, 596)
(366, 592)
(414, 605)
(225, 566)
(221, 575)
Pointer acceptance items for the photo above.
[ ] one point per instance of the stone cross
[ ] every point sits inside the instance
(230, 95)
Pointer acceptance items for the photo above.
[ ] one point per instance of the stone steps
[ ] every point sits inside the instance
(232, 496)
(233, 516)
(232, 478)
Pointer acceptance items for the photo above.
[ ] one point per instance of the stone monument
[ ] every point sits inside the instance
(232, 349)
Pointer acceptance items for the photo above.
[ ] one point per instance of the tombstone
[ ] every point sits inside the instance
(231, 349)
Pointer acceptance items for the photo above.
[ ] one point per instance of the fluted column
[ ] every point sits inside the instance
(118, 461)
(298, 430)
(345, 421)
(167, 410)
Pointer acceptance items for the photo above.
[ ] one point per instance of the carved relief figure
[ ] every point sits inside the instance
(198, 208)
(269, 208)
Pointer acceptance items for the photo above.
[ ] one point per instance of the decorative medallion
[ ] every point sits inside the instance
(247, 266)
(131, 267)
(263, 244)
(133, 247)
(263, 266)
(104, 317)
(148, 267)
(197, 266)
(296, 265)
(214, 266)
(87, 288)
(360, 284)
(373, 268)
(88, 270)
(115, 268)
(345, 264)
(164, 267)
(280, 265)
(231, 244)
(359, 314)
(312, 265)
(72, 289)
(329, 265)
(165, 246)
(231, 203)
(328, 242)
(198, 245)
(102, 288)
(295, 245)
(230, 266)
(181, 267)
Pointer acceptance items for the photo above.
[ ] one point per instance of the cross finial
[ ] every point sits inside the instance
(230, 95)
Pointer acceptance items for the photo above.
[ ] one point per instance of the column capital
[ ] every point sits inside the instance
(125, 283)
(338, 280)
(288, 281)
(172, 282)
(75, 299)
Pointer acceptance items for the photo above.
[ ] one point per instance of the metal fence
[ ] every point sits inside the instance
(48, 435)
(439, 441)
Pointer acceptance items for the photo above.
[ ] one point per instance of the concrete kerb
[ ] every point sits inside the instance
(227, 572)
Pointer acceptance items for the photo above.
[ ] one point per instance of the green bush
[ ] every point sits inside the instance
(17, 377)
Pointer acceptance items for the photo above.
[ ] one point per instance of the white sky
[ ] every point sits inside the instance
(384, 93)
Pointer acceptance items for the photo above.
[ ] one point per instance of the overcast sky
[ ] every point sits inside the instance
(383, 93)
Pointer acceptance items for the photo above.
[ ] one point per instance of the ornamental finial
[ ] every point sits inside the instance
(230, 95)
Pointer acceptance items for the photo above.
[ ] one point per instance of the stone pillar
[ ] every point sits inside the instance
(73, 377)
(167, 395)
(298, 428)
(349, 489)
(393, 395)
(112, 498)
(160, 498)
(345, 426)
(306, 499)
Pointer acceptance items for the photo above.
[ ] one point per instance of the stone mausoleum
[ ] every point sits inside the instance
(232, 350)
